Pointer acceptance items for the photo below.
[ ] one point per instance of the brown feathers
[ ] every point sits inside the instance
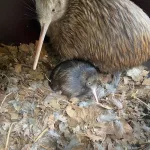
(112, 34)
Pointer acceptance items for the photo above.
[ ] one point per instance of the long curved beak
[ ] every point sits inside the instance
(94, 93)
(40, 43)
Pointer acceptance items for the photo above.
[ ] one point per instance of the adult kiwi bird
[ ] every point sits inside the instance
(112, 34)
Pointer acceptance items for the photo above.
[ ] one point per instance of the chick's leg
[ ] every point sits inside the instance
(111, 87)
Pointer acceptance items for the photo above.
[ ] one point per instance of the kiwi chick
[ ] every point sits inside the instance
(75, 78)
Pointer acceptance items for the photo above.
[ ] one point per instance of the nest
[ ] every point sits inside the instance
(32, 116)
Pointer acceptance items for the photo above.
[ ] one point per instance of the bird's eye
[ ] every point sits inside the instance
(89, 83)
(53, 10)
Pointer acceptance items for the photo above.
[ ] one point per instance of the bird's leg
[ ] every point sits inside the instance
(116, 79)
(111, 87)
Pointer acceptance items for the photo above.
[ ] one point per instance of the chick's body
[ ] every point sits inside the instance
(72, 77)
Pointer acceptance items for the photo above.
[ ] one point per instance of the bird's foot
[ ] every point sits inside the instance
(109, 88)
(112, 87)
(116, 79)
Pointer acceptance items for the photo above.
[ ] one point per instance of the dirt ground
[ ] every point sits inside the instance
(33, 117)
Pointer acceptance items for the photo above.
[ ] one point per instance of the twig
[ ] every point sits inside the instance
(134, 96)
(145, 143)
(142, 102)
(8, 136)
(6, 77)
(41, 135)
(45, 147)
(65, 101)
(47, 78)
(5, 98)
(104, 106)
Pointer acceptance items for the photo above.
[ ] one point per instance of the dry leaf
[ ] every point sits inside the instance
(127, 128)
(107, 117)
(14, 116)
(119, 130)
(3, 51)
(36, 75)
(117, 103)
(93, 137)
(55, 104)
(126, 80)
(146, 82)
(74, 100)
(71, 113)
(24, 47)
(18, 68)
(81, 147)
(51, 122)
(134, 73)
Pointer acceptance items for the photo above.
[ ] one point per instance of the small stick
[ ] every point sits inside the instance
(5, 98)
(45, 147)
(134, 96)
(142, 102)
(47, 78)
(104, 106)
(8, 136)
(5, 76)
(41, 135)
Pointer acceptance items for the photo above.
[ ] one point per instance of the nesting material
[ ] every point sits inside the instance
(32, 116)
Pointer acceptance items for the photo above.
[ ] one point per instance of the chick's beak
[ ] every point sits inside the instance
(94, 93)
(44, 29)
